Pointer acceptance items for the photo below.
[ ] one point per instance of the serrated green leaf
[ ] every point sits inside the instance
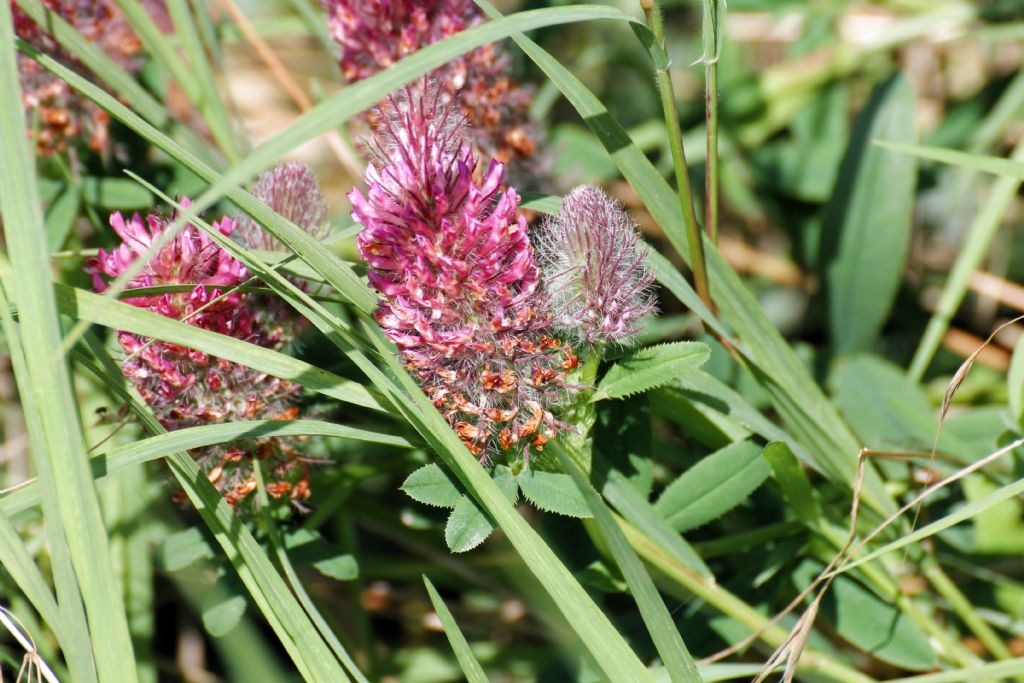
(553, 492)
(183, 548)
(713, 486)
(309, 547)
(650, 368)
(223, 607)
(431, 485)
(868, 220)
(507, 483)
(467, 526)
(791, 478)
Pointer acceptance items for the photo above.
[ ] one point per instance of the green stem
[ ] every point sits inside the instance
(679, 576)
(965, 610)
(675, 134)
(711, 164)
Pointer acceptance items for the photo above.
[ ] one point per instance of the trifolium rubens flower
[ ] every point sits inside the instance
(374, 34)
(186, 387)
(597, 283)
(452, 259)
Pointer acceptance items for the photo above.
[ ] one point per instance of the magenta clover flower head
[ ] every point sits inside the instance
(374, 34)
(292, 191)
(596, 277)
(186, 387)
(66, 117)
(454, 264)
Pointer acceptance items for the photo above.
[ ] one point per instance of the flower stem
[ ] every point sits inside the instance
(711, 165)
(675, 134)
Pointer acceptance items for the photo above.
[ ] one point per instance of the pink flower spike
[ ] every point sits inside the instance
(454, 264)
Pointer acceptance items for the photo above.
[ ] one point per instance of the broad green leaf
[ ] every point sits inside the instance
(552, 492)
(713, 486)
(650, 368)
(431, 485)
(868, 220)
(879, 629)
(997, 530)
(223, 607)
(467, 526)
(791, 478)
(467, 660)
(667, 639)
(60, 217)
(45, 374)
(115, 193)
(309, 547)
(183, 548)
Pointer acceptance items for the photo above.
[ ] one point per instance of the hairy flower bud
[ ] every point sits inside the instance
(454, 264)
(64, 116)
(186, 387)
(596, 277)
(292, 191)
(374, 34)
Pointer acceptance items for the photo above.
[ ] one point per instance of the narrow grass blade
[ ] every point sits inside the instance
(105, 463)
(1008, 168)
(76, 646)
(48, 380)
(979, 236)
(209, 102)
(985, 672)
(120, 316)
(290, 623)
(467, 660)
(26, 575)
(678, 662)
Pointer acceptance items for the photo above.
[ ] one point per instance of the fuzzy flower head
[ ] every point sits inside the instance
(292, 191)
(596, 277)
(186, 387)
(64, 116)
(455, 267)
(374, 34)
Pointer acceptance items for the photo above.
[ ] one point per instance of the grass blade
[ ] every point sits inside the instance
(467, 660)
(106, 463)
(48, 379)
(979, 236)
(678, 662)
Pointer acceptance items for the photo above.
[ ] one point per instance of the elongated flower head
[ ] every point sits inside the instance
(64, 116)
(374, 34)
(453, 262)
(292, 191)
(186, 387)
(596, 277)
